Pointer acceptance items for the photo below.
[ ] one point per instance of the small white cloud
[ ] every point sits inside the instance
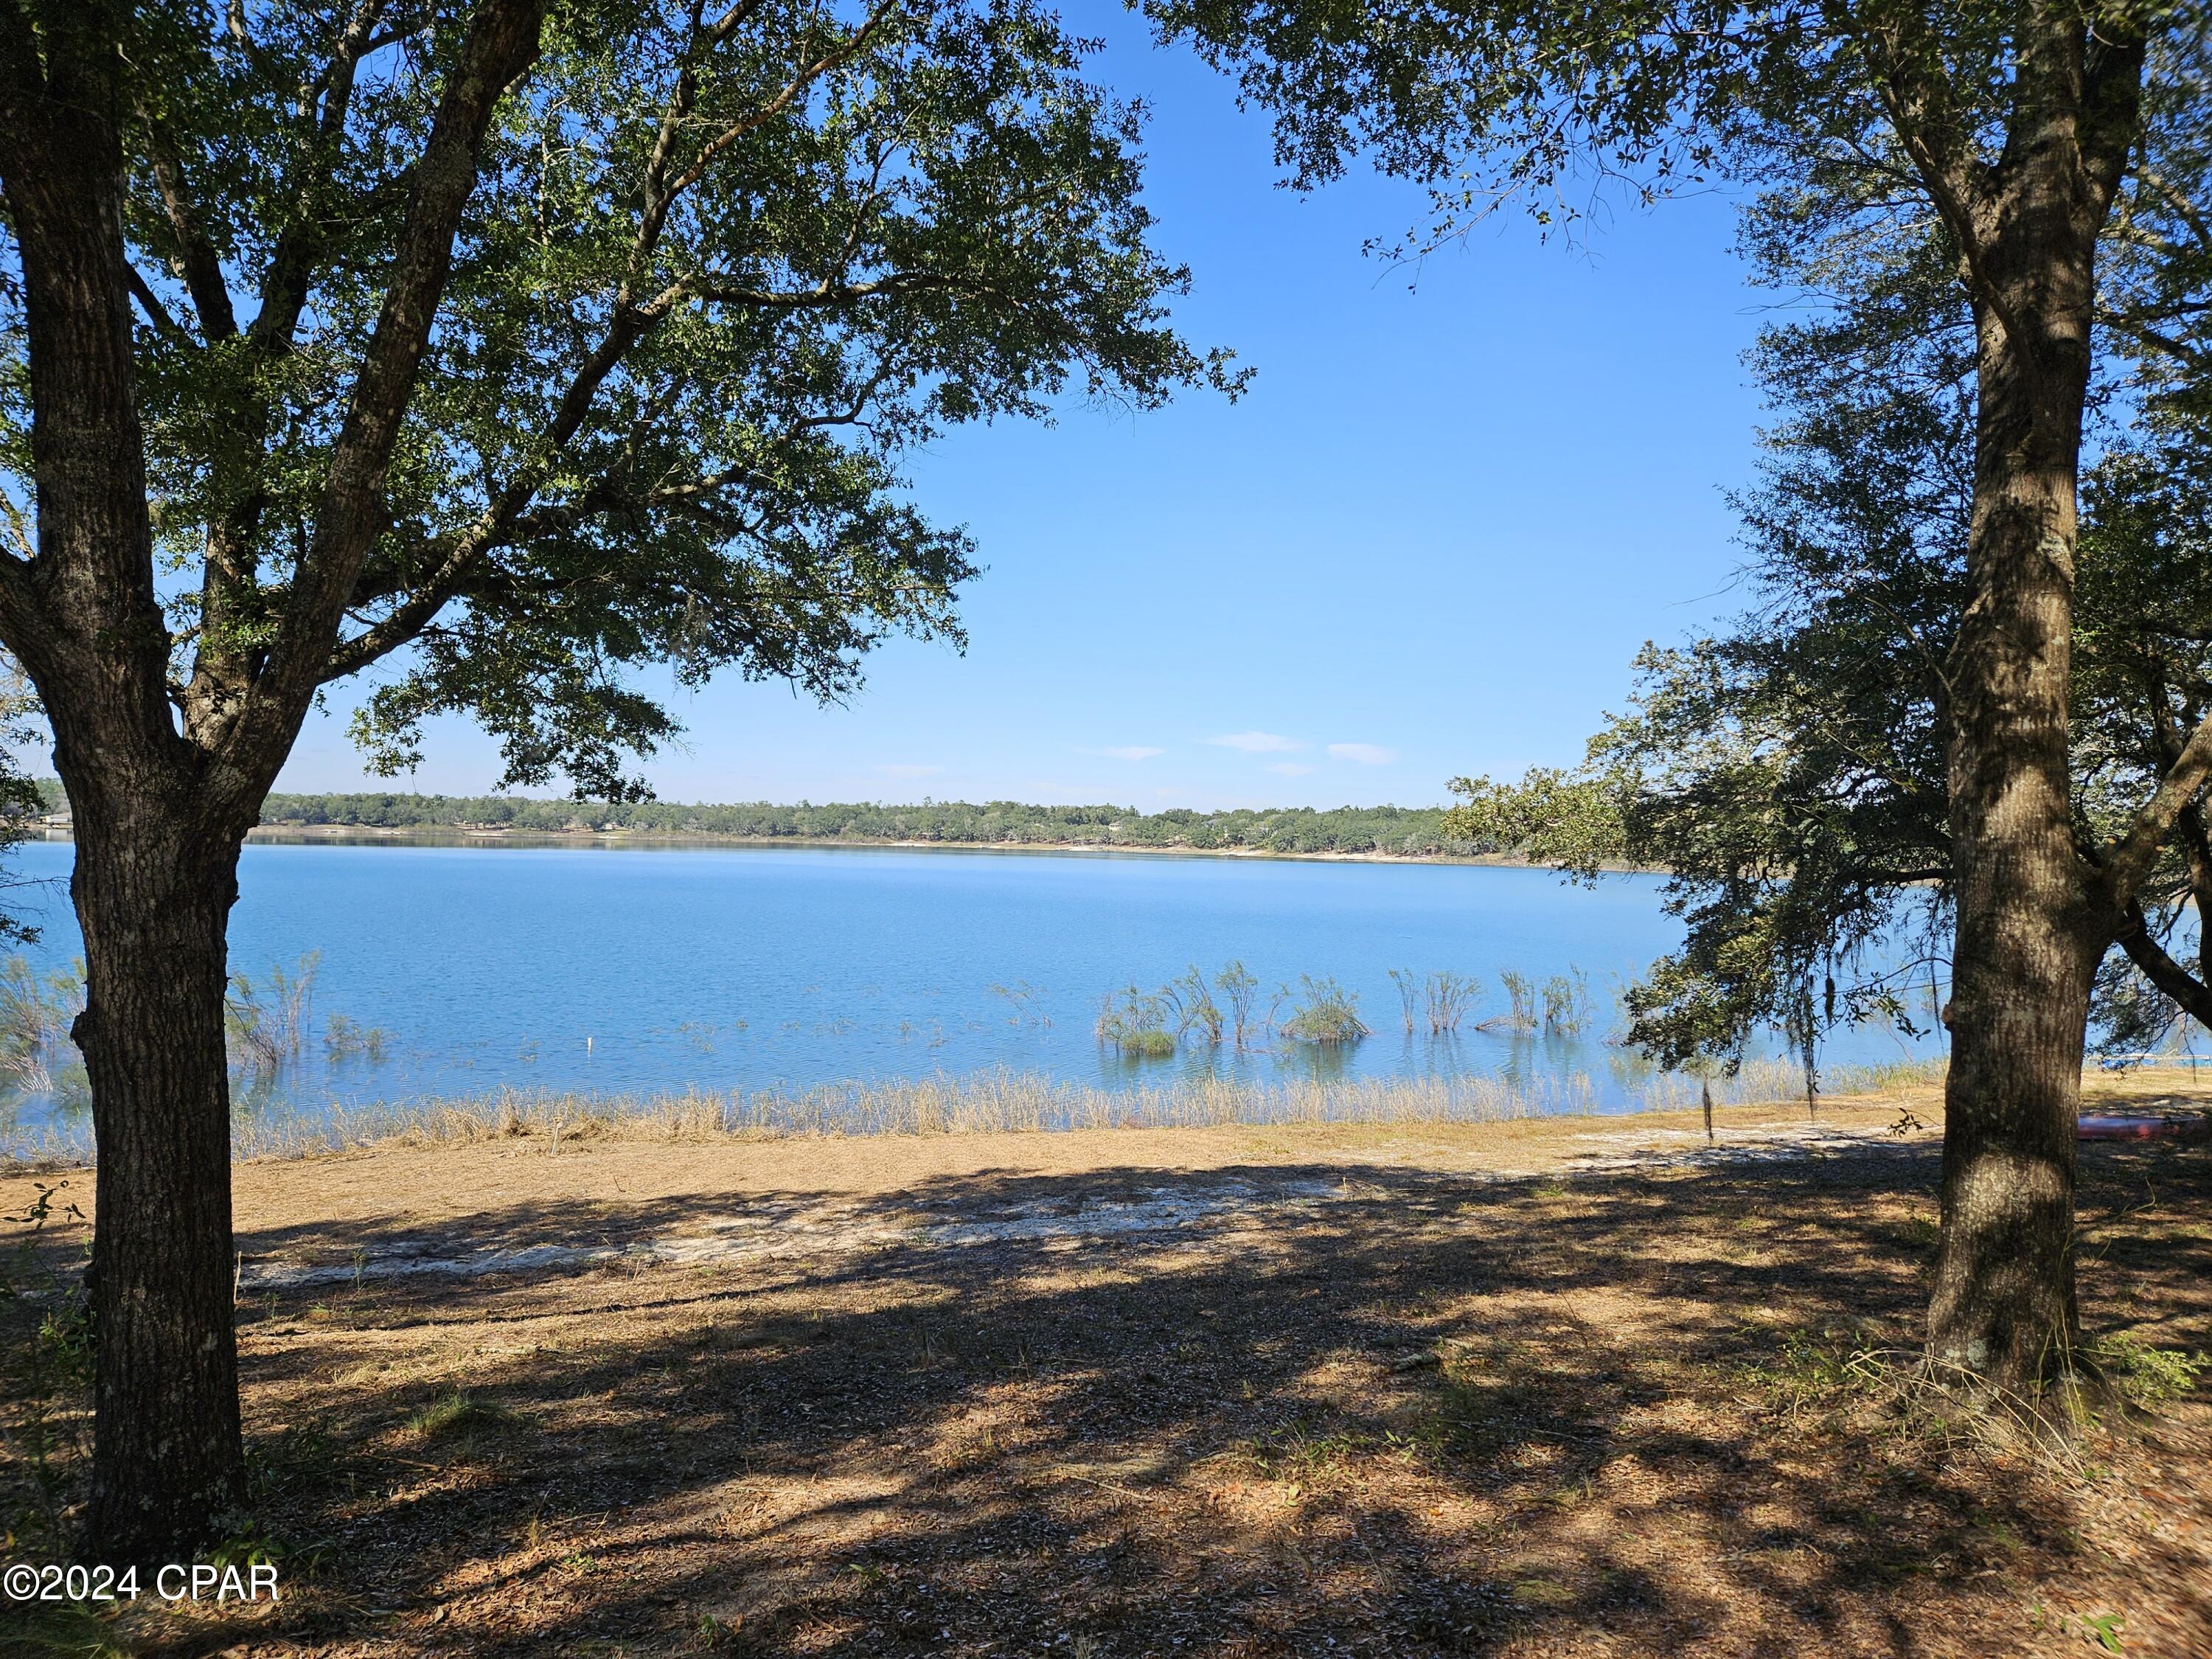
(1366, 754)
(1130, 752)
(908, 771)
(1290, 768)
(1257, 743)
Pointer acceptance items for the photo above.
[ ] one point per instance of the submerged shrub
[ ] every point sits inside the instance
(36, 1055)
(1238, 987)
(1446, 998)
(265, 1025)
(1325, 1013)
(1190, 1001)
(1137, 1024)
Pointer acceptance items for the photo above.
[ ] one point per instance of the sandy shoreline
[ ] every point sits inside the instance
(341, 834)
(453, 1189)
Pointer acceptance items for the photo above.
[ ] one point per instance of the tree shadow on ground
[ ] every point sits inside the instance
(1425, 1415)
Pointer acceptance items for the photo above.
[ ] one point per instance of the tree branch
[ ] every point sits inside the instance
(826, 293)
(196, 253)
(782, 100)
(1918, 105)
(2195, 633)
(2111, 108)
(288, 278)
(2176, 982)
(19, 54)
(630, 323)
(2127, 858)
(150, 302)
(2195, 356)
(502, 43)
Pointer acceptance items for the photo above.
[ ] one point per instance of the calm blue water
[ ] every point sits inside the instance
(631, 971)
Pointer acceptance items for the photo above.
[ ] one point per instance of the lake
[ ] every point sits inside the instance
(637, 971)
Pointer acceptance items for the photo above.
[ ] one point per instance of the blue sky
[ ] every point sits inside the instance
(1428, 541)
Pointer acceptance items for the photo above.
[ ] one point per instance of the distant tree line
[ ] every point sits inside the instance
(1399, 831)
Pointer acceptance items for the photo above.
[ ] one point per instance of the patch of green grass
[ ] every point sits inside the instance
(1815, 1371)
(1543, 1593)
(59, 1630)
(2104, 1629)
(2146, 1375)
(1300, 1452)
(1481, 1415)
(1919, 1234)
(457, 1413)
(715, 1632)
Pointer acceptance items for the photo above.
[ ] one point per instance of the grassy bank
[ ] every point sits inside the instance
(989, 1102)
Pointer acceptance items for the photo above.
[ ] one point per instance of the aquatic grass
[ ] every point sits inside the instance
(1521, 993)
(1002, 1100)
(1761, 1082)
(346, 1038)
(974, 1104)
(1442, 1000)
(1567, 1007)
(977, 1103)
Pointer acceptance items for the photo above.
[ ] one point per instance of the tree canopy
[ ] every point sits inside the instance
(712, 273)
(1791, 771)
(1394, 831)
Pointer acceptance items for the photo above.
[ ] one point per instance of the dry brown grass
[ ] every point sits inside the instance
(1609, 1414)
(985, 1102)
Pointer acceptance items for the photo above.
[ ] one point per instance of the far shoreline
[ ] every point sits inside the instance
(340, 834)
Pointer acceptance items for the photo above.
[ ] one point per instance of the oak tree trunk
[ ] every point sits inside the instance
(165, 778)
(153, 900)
(156, 848)
(2002, 1312)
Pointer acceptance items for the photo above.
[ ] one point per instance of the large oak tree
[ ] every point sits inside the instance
(2019, 128)
(1787, 770)
(498, 346)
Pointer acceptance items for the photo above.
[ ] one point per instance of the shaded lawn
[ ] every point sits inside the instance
(1610, 1416)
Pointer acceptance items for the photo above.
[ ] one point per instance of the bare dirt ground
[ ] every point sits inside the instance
(1582, 1387)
